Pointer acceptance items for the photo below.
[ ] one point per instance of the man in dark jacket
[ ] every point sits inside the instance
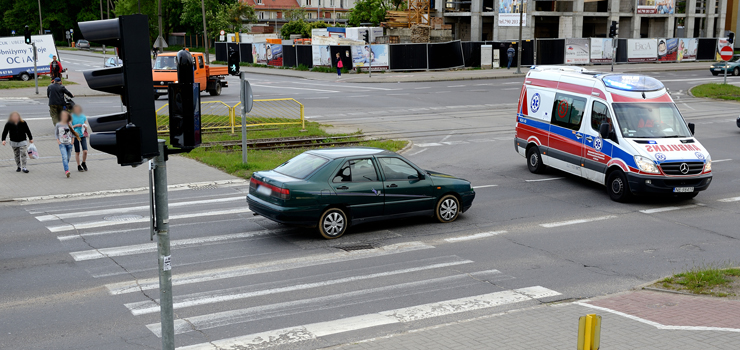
(55, 68)
(55, 92)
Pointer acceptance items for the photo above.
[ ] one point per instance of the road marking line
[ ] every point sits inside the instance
(484, 186)
(475, 236)
(142, 229)
(342, 86)
(456, 85)
(423, 87)
(579, 221)
(314, 98)
(516, 88)
(96, 224)
(131, 209)
(548, 179)
(265, 267)
(101, 253)
(404, 315)
(217, 296)
(446, 137)
(720, 160)
(293, 88)
(415, 153)
(664, 209)
(727, 200)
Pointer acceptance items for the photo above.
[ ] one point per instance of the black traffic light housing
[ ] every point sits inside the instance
(131, 135)
(184, 103)
(365, 37)
(27, 35)
(613, 29)
(232, 60)
(731, 37)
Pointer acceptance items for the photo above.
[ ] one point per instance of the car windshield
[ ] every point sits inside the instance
(650, 120)
(165, 62)
(301, 166)
(735, 58)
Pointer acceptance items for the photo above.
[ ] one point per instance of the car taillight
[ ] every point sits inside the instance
(282, 193)
(253, 184)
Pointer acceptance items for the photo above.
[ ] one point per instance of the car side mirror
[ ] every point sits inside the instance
(604, 130)
(692, 127)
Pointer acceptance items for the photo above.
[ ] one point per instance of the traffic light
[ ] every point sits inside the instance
(731, 37)
(233, 60)
(131, 135)
(184, 102)
(27, 34)
(364, 37)
(613, 29)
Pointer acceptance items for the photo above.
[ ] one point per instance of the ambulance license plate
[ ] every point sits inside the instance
(683, 189)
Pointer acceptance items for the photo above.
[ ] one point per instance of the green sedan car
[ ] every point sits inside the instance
(334, 188)
(733, 67)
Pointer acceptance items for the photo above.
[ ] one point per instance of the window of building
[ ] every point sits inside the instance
(567, 111)
(356, 170)
(308, 2)
(261, 14)
(258, 2)
(279, 15)
(310, 15)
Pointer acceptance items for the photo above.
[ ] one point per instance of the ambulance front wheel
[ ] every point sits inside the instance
(618, 187)
(534, 160)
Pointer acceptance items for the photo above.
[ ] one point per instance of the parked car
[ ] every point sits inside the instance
(733, 66)
(335, 188)
(83, 44)
(113, 62)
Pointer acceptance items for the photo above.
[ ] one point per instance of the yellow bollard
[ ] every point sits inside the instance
(589, 332)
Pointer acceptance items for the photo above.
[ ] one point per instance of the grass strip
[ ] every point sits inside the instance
(719, 91)
(711, 279)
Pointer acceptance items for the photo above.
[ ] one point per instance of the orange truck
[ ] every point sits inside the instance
(211, 79)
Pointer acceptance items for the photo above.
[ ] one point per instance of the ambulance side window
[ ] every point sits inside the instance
(567, 111)
(599, 115)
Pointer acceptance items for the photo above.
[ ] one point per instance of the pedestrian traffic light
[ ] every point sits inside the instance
(184, 102)
(233, 60)
(27, 34)
(731, 37)
(364, 37)
(131, 135)
(613, 29)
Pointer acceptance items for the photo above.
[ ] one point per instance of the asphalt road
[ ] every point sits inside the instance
(81, 274)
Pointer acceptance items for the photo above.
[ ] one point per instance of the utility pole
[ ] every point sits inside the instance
(519, 47)
(35, 67)
(41, 23)
(205, 32)
(159, 15)
(101, 17)
(163, 248)
(706, 15)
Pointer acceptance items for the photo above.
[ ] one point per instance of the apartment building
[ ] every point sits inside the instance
(273, 12)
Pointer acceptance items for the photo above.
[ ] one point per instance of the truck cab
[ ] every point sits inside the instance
(164, 73)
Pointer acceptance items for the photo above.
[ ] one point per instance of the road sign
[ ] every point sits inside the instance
(222, 33)
(12, 32)
(71, 30)
(726, 53)
(157, 42)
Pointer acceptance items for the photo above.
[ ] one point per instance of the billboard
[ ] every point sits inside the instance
(601, 50)
(17, 57)
(509, 13)
(662, 7)
(259, 55)
(363, 55)
(667, 50)
(321, 55)
(687, 49)
(642, 50)
(576, 51)
(274, 53)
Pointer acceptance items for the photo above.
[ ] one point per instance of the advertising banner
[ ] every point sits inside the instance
(509, 13)
(721, 42)
(576, 51)
(321, 55)
(667, 50)
(17, 57)
(687, 49)
(601, 50)
(362, 55)
(274, 54)
(663, 7)
(259, 55)
(642, 50)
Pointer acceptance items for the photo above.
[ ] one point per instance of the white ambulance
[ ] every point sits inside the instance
(620, 130)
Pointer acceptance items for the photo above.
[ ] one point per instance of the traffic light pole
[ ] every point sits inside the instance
(726, 65)
(243, 111)
(615, 42)
(35, 68)
(161, 206)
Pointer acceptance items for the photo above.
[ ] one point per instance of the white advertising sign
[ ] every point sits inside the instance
(642, 50)
(16, 57)
(601, 50)
(576, 51)
(508, 13)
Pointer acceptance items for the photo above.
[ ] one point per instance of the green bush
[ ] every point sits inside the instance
(302, 67)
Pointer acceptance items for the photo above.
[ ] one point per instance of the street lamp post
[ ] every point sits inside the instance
(41, 23)
(519, 47)
(205, 32)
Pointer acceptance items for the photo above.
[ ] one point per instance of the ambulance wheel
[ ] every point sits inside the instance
(534, 160)
(618, 187)
(687, 196)
(736, 71)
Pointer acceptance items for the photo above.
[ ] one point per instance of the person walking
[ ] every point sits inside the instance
(55, 68)
(339, 65)
(20, 135)
(64, 134)
(55, 92)
(78, 123)
(510, 54)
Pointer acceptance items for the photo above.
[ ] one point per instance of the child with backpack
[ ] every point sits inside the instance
(20, 135)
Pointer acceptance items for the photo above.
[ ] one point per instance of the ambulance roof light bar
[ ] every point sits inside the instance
(627, 82)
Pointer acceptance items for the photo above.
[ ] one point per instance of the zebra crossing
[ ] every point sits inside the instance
(240, 281)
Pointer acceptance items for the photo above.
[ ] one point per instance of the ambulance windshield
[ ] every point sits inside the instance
(650, 120)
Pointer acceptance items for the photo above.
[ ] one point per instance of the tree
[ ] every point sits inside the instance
(171, 12)
(368, 11)
(295, 13)
(293, 27)
(192, 15)
(235, 16)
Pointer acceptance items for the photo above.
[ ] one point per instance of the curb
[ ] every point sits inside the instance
(408, 147)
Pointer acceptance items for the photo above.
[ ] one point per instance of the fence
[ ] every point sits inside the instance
(217, 115)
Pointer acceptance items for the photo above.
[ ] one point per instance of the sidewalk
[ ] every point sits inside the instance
(80, 89)
(632, 320)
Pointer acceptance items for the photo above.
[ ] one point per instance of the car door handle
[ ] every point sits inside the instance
(589, 138)
(578, 136)
(392, 185)
(342, 188)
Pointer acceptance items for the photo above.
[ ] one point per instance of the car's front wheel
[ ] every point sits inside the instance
(333, 223)
(534, 160)
(24, 77)
(448, 208)
(736, 71)
(618, 187)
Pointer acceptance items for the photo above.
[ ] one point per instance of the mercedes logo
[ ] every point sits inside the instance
(161, 82)
(684, 168)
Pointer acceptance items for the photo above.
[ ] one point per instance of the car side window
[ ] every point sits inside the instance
(396, 169)
(356, 170)
(200, 62)
(567, 111)
(599, 115)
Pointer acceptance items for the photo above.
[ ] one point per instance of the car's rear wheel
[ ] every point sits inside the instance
(216, 91)
(736, 71)
(24, 77)
(448, 208)
(333, 223)
(618, 187)
(534, 160)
